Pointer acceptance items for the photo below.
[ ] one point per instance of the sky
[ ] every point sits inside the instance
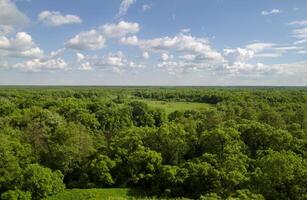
(153, 42)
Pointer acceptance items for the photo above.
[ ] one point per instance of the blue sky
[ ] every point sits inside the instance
(153, 42)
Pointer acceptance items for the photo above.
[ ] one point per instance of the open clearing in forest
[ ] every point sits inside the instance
(171, 106)
(102, 194)
(92, 194)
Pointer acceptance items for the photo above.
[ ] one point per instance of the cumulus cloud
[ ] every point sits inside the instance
(41, 64)
(188, 57)
(164, 57)
(180, 43)
(10, 15)
(124, 6)
(116, 62)
(238, 55)
(21, 45)
(132, 40)
(80, 57)
(115, 59)
(120, 29)
(89, 40)
(82, 62)
(96, 38)
(55, 18)
(271, 12)
(257, 50)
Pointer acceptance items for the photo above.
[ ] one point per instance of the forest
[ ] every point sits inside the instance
(208, 143)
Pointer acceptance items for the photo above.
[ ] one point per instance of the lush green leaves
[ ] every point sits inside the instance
(234, 143)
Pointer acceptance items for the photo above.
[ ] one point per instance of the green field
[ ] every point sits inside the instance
(92, 194)
(171, 106)
(98, 194)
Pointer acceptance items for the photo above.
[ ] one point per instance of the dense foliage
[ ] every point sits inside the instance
(248, 143)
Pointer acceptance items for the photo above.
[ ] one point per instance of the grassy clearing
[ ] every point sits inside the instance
(100, 194)
(92, 194)
(171, 106)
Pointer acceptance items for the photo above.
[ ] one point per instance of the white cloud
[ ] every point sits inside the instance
(95, 39)
(56, 53)
(124, 6)
(271, 12)
(6, 29)
(21, 45)
(132, 40)
(185, 30)
(268, 55)
(119, 30)
(112, 62)
(34, 52)
(80, 57)
(117, 59)
(55, 18)
(146, 7)
(164, 57)
(22, 41)
(86, 66)
(251, 70)
(182, 44)
(4, 42)
(11, 15)
(173, 67)
(145, 55)
(115, 62)
(258, 47)
(89, 40)
(132, 65)
(193, 53)
(300, 33)
(288, 48)
(41, 64)
(257, 50)
(188, 57)
(300, 42)
(238, 54)
(299, 22)
(297, 68)
(82, 63)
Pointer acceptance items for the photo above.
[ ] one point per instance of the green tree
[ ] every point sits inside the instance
(42, 182)
(14, 157)
(143, 166)
(280, 175)
(170, 141)
(16, 195)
